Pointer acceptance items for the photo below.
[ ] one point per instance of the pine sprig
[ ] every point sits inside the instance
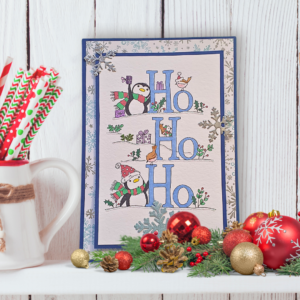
(132, 245)
(97, 256)
(218, 264)
(291, 269)
(146, 262)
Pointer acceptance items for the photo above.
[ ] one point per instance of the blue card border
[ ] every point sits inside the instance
(97, 129)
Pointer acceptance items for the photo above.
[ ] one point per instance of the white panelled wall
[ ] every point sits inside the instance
(49, 32)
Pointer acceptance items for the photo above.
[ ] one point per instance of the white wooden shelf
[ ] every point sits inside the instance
(61, 277)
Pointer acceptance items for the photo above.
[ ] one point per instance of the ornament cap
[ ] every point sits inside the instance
(274, 213)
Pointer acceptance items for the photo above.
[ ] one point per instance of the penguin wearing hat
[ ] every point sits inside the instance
(132, 190)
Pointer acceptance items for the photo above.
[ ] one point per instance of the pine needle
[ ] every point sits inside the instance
(146, 262)
(97, 256)
(218, 264)
(291, 269)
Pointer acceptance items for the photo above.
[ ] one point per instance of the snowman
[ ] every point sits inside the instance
(132, 190)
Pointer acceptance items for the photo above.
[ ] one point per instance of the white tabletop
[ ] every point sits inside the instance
(61, 277)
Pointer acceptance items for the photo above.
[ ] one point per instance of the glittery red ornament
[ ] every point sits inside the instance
(149, 242)
(125, 260)
(203, 234)
(254, 221)
(234, 238)
(182, 224)
(279, 240)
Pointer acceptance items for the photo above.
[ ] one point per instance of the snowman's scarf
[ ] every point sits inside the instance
(124, 96)
(121, 190)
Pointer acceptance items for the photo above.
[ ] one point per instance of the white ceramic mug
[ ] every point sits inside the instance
(25, 245)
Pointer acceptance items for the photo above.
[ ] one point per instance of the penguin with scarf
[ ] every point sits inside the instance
(132, 189)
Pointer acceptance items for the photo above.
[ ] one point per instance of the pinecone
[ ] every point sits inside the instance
(168, 238)
(234, 225)
(173, 259)
(109, 264)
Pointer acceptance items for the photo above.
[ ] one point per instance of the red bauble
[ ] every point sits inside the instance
(203, 234)
(125, 260)
(182, 224)
(149, 242)
(234, 238)
(279, 240)
(254, 221)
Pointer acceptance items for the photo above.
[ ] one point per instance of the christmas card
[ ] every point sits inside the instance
(159, 135)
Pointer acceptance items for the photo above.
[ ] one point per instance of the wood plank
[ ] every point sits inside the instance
(15, 297)
(215, 296)
(63, 297)
(266, 54)
(130, 297)
(128, 19)
(278, 296)
(56, 30)
(197, 18)
(12, 37)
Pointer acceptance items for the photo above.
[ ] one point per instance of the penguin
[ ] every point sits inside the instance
(140, 199)
(133, 182)
(135, 107)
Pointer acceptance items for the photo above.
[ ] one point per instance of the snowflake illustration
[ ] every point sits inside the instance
(91, 89)
(89, 167)
(217, 125)
(91, 141)
(267, 228)
(88, 234)
(92, 194)
(99, 57)
(158, 225)
(196, 48)
(90, 110)
(297, 254)
(90, 214)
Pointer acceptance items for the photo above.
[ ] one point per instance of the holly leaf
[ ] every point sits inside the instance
(210, 147)
(109, 203)
(138, 153)
(110, 128)
(118, 127)
(123, 137)
(196, 104)
(129, 137)
(161, 102)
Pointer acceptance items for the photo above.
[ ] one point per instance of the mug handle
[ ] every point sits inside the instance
(50, 230)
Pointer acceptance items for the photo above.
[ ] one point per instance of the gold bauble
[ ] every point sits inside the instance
(80, 258)
(244, 257)
(274, 213)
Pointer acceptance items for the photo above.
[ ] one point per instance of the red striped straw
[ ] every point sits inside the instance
(4, 73)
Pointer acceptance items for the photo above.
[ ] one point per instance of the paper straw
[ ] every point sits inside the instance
(15, 104)
(24, 120)
(4, 73)
(10, 95)
(39, 122)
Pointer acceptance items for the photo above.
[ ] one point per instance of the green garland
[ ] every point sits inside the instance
(216, 263)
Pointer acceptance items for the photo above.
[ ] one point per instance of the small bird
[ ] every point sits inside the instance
(165, 130)
(152, 156)
(162, 128)
(181, 82)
